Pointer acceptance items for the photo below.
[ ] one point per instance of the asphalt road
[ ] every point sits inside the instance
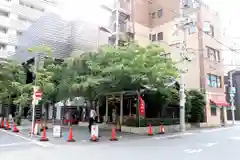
(205, 144)
(10, 142)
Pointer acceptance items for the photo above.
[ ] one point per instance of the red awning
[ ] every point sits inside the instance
(220, 103)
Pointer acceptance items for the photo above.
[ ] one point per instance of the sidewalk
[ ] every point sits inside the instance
(27, 125)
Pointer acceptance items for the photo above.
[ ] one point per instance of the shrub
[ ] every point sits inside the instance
(134, 122)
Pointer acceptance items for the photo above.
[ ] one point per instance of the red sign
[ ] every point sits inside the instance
(141, 107)
(38, 94)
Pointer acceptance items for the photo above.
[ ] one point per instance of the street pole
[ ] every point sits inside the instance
(232, 95)
(34, 90)
(182, 54)
(117, 23)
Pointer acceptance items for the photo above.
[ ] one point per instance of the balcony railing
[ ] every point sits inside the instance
(18, 24)
(3, 38)
(30, 13)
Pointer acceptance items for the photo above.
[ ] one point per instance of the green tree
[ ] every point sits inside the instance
(13, 83)
(198, 103)
(129, 68)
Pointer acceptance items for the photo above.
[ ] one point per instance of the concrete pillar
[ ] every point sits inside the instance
(106, 113)
(121, 109)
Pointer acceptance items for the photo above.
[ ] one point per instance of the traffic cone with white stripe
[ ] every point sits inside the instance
(150, 132)
(162, 130)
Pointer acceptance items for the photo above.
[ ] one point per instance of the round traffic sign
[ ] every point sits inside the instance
(38, 94)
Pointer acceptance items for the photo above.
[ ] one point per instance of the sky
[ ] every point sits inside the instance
(87, 10)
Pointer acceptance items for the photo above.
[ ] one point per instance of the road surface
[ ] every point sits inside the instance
(207, 144)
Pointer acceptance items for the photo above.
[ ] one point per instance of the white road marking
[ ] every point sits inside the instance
(190, 151)
(211, 144)
(42, 144)
(214, 130)
(234, 138)
(15, 144)
(173, 136)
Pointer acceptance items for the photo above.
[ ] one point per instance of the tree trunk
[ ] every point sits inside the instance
(20, 110)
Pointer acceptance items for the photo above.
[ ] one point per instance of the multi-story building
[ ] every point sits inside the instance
(15, 17)
(148, 21)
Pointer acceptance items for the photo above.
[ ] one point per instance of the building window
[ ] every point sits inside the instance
(160, 13)
(150, 37)
(153, 15)
(213, 110)
(5, 14)
(192, 28)
(213, 54)
(154, 37)
(2, 47)
(166, 56)
(3, 30)
(19, 33)
(214, 81)
(211, 33)
(160, 36)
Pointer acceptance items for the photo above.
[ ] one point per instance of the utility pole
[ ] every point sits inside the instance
(36, 60)
(232, 95)
(117, 22)
(182, 54)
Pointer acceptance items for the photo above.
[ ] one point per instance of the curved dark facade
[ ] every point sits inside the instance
(62, 36)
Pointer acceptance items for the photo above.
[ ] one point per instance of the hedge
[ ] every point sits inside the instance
(134, 122)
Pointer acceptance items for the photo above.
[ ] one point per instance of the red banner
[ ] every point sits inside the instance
(141, 106)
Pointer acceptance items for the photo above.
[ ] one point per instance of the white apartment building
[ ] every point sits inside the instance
(15, 17)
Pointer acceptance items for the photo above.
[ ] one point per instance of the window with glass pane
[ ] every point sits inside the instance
(214, 81)
(192, 28)
(154, 37)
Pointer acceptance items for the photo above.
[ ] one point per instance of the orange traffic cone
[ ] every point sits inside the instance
(150, 133)
(113, 138)
(162, 130)
(70, 137)
(44, 135)
(15, 129)
(7, 126)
